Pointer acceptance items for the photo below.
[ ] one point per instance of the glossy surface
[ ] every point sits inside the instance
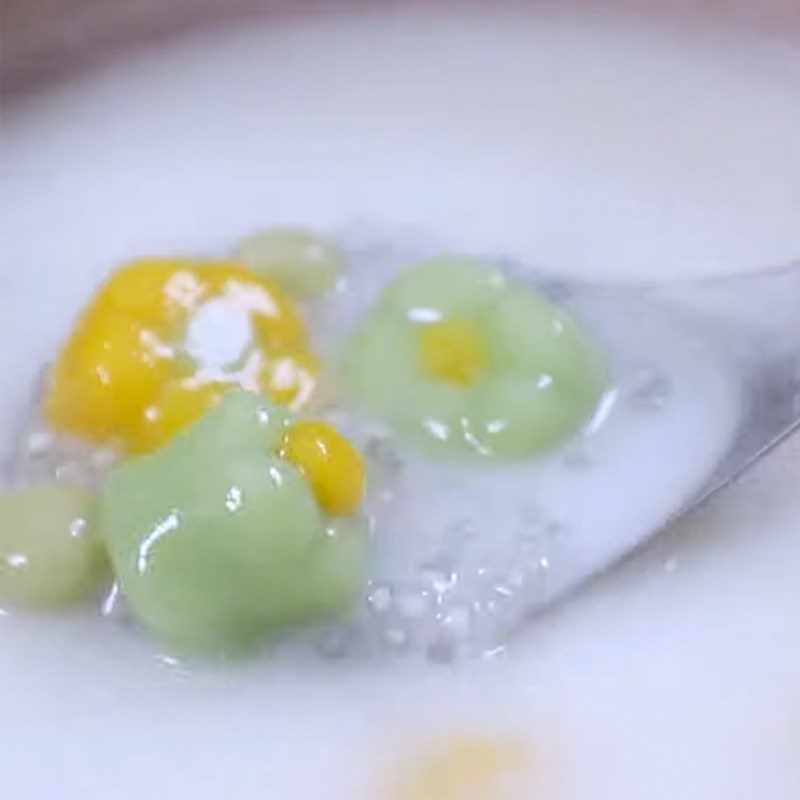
(49, 557)
(303, 262)
(333, 468)
(164, 339)
(465, 362)
(217, 542)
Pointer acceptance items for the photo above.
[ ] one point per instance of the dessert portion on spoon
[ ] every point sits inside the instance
(379, 453)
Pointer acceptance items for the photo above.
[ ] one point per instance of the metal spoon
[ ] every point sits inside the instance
(748, 326)
(754, 318)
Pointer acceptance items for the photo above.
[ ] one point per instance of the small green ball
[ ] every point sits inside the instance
(539, 375)
(304, 263)
(49, 556)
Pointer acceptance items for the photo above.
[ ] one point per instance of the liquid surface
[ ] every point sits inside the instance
(465, 551)
(462, 549)
(653, 669)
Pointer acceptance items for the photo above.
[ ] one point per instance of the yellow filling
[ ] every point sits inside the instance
(452, 351)
(129, 373)
(461, 768)
(333, 468)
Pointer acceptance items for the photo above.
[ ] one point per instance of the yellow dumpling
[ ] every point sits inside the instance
(464, 767)
(164, 339)
(180, 403)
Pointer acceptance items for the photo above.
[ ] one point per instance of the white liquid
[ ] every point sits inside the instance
(563, 143)
(463, 554)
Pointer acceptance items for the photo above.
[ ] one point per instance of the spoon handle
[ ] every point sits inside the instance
(756, 318)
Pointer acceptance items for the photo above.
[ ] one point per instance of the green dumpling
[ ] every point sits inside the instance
(462, 361)
(304, 263)
(49, 554)
(217, 542)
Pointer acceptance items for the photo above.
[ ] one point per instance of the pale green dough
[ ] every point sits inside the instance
(447, 285)
(304, 263)
(512, 416)
(49, 556)
(218, 543)
(381, 363)
(528, 335)
(542, 379)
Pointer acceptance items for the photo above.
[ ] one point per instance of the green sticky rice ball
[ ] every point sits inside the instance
(300, 261)
(49, 555)
(464, 362)
(218, 543)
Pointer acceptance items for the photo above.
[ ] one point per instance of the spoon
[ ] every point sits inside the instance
(603, 509)
(751, 322)
(754, 320)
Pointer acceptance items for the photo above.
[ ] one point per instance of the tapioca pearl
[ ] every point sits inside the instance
(440, 578)
(50, 556)
(380, 598)
(305, 263)
(396, 638)
(413, 603)
(458, 620)
(443, 287)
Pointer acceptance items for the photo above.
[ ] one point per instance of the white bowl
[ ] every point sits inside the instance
(587, 142)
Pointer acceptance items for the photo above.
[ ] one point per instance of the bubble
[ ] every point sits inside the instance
(457, 621)
(170, 662)
(42, 455)
(39, 443)
(379, 598)
(503, 591)
(440, 579)
(386, 496)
